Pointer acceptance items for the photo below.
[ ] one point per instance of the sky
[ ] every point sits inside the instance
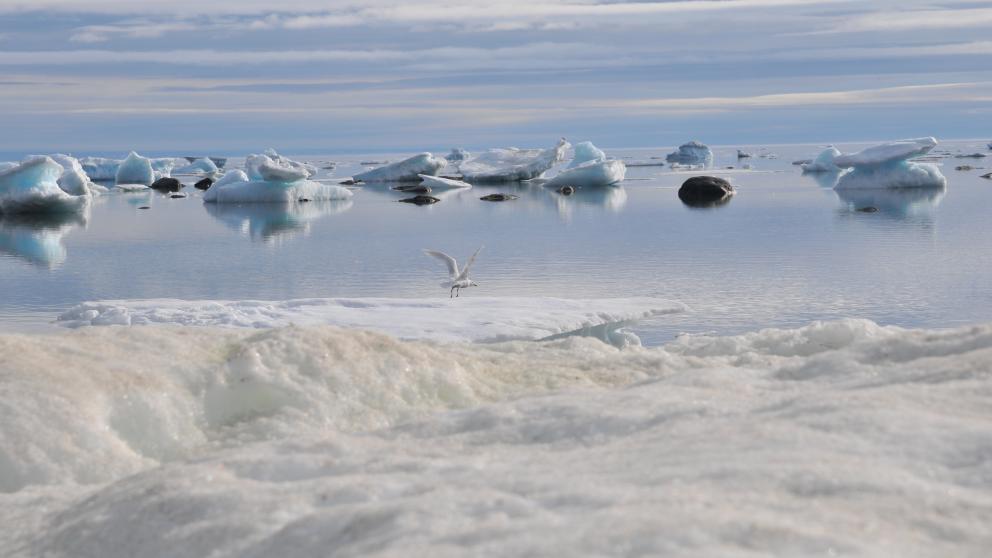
(318, 76)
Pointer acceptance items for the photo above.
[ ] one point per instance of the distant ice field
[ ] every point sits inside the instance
(786, 250)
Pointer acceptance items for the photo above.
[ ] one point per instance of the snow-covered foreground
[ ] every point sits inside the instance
(840, 438)
(478, 319)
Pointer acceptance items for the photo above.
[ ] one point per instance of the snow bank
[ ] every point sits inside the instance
(407, 170)
(844, 438)
(889, 166)
(692, 153)
(32, 187)
(480, 319)
(593, 174)
(824, 162)
(512, 164)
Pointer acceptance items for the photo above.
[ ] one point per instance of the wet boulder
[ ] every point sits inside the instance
(705, 191)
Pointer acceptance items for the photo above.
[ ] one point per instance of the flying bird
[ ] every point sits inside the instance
(458, 279)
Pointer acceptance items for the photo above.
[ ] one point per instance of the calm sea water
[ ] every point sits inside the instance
(785, 251)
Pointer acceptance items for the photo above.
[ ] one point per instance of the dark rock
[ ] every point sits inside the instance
(350, 182)
(868, 209)
(566, 190)
(414, 189)
(177, 196)
(705, 191)
(964, 168)
(166, 185)
(204, 184)
(144, 207)
(498, 197)
(988, 175)
(421, 200)
(303, 200)
(971, 156)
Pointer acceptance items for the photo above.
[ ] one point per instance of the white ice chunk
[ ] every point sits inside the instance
(135, 169)
(273, 159)
(204, 165)
(74, 180)
(895, 151)
(592, 174)
(263, 191)
(236, 175)
(407, 170)
(277, 173)
(32, 187)
(692, 153)
(512, 164)
(888, 166)
(103, 169)
(824, 162)
(586, 152)
(439, 183)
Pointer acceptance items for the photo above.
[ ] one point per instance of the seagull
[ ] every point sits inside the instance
(458, 279)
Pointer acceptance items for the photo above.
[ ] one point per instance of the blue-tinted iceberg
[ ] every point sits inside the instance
(407, 170)
(274, 184)
(457, 155)
(590, 168)
(824, 162)
(586, 152)
(512, 164)
(105, 170)
(32, 187)
(74, 180)
(135, 169)
(889, 166)
(692, 153)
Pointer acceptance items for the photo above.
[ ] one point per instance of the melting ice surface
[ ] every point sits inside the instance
(32, 187)
(407, 170)
(890, 166)
(511, 164)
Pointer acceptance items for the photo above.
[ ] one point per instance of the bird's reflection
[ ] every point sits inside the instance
(37, 238)
(898, 203)
(268, 221)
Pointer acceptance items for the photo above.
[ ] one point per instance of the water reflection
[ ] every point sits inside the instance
(37, 238)
(898, 203)
(267, 221)
(610, 198)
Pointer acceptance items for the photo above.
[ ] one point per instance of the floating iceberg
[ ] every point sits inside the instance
(590, 175)
(407, 170)
(273, 159)
(586, 152)
(512, 164)
(204, 165)
(889, 166)
(692, 153)
(32, 187)
(105, 170)
(275, 184)
(74, 180)
(824, 162)
(135, 169)
(439, 183)
(457, 155)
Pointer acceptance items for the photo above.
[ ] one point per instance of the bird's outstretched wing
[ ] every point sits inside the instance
(469, 263)
(448, 261)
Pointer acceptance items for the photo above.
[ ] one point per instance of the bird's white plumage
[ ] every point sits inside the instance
(458, 278)
(448, 261)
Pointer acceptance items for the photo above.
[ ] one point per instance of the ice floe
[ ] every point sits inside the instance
(889, 166)
(441, 183)
(204, 165)
(105, 170)
(824, 162)
(586, 152)
(512, 164)
(279, 189)
(457, 155)
(32, 187)
(592, 174)
(407, 170)
(273, 160)
(692, 153)
(843, 437)
(135, 169)
(479, 319)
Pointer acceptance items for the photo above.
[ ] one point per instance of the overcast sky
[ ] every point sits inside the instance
(231, 76)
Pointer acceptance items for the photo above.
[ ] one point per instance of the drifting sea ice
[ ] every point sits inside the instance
(889, 166)
(586, 152)
(105, 170)
(512, 164)
(692, 153)
(457, 155)
(135, 169)
(274, 160)
(204, 165)
(407, 170)
(32, 187)
(590, 168)
(824, 162)
(275, 184)
(440, 183)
